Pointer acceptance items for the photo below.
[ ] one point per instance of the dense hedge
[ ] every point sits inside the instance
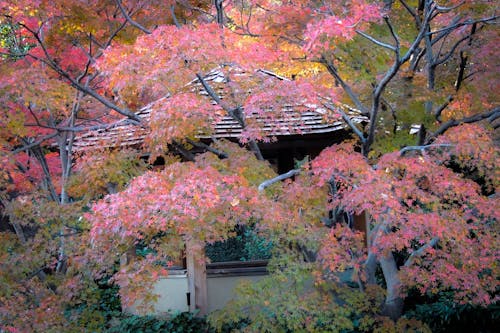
(246, 245)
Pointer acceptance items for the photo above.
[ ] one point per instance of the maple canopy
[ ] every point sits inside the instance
(73, 67)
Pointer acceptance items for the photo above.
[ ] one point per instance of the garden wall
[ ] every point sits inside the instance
(222, 278)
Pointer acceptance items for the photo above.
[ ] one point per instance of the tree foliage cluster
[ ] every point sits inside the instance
(430, 198)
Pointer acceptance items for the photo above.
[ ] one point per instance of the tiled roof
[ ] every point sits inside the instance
(310, 120)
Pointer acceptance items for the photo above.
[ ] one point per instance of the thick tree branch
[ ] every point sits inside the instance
(467, 120)
(415, 254)
(220, 12)
(220, 154)
(183, 151)
(276, 179)
(424, 147)
(393, 306)
(461, 71)
(398, 61)
(379, 89)
(439, 110)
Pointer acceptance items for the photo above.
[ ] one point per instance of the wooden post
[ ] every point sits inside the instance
(197, 277)
(362, 223)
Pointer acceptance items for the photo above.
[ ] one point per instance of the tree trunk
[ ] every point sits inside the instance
(393, 306)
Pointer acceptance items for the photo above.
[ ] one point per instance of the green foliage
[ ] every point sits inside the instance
(442, 314)
(246, 245)
(290, 300)
(256, 247)
(98, 173)
(181, 323)
(97, 303)
(12, 41)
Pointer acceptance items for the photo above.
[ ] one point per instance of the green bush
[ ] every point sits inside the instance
(246, 245)
(442, 314)
(184, 322)
(181, 323)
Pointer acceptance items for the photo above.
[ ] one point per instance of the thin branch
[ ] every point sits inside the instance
(450, 53)
(39, 155)
(231, 111)
(411, 11)
(85, 89)
(75, 129)
(174, 17)
(445, 33)
(35, 143)
(348, 121)
(443, 9)
(393, 34)
(129, 19)
(424, 147)
(464, 23)
(375, 41)
(235, 113)
(333, 71)
(284, 176)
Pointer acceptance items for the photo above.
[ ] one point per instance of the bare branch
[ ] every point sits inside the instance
(333, 71)
(439, 110)
(28, 146)
(236, 113)
(425, 147)
(393, 34)
(231, 111)
(85, 89)
(450, 53)
(467, 120)
(443, 9)
(461, 24)
(348, 121)
(398, 61)
(410, 10)
(129, 19)
(174, 17)
(284, 176)
(375, 41)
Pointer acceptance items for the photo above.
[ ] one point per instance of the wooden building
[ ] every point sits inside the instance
(296, 134)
